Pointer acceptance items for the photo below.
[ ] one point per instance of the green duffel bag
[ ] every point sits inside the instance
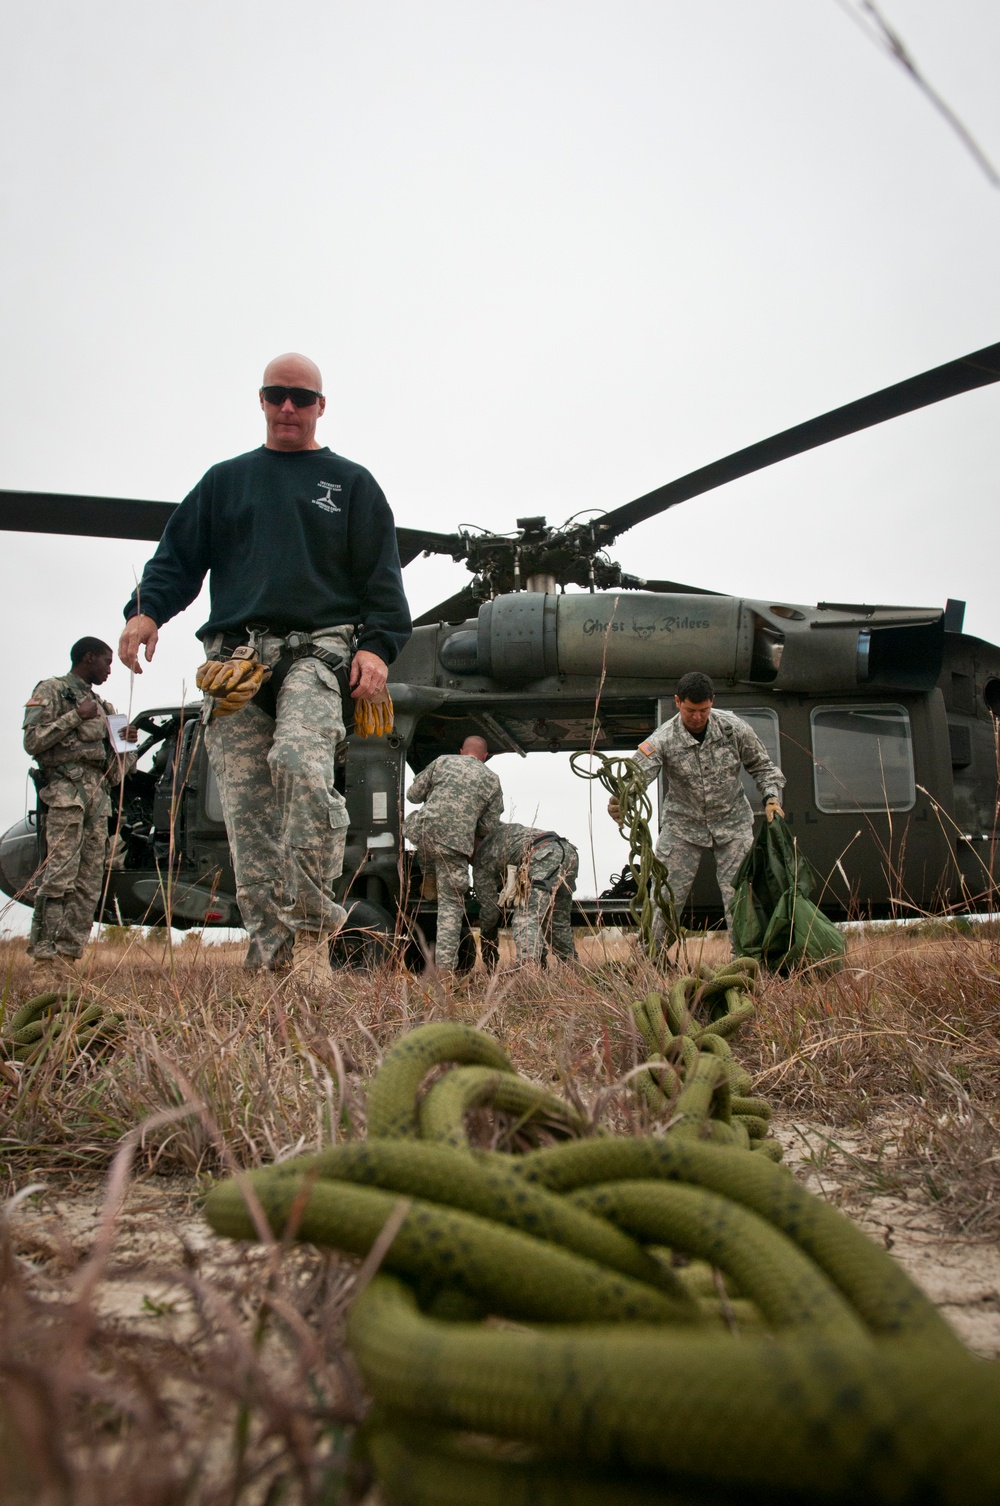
(774, 918)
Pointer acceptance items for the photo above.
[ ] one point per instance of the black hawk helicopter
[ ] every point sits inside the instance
(883, 718)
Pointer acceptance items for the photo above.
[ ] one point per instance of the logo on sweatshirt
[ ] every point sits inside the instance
(326, 502)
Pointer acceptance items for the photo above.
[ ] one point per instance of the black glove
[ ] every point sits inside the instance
(490, 947)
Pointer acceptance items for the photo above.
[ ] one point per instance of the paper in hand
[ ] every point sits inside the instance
(116, 726)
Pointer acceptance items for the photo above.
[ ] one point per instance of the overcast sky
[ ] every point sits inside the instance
(548, 255)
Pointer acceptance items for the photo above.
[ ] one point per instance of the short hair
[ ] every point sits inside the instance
(695, 687)
(84, 646)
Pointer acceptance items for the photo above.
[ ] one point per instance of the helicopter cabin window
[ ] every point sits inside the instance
(862, 758)
(764, 722)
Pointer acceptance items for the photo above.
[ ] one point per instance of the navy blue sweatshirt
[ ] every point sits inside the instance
(294, 539)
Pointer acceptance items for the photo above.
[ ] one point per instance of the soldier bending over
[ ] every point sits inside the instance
(462, 800)
(535, 871)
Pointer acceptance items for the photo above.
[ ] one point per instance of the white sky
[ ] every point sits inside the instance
(548, 255)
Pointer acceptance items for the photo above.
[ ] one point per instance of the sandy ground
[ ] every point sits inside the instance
(961, 1276)
(160, 1228)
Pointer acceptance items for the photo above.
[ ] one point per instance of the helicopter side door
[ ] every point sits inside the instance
(869, 798)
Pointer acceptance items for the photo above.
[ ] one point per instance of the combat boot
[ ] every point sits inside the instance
(44, 977)
(311, 962)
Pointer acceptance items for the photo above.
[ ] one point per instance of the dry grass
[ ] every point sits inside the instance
(905, 1041)
(907, 1036)
(251, 1399)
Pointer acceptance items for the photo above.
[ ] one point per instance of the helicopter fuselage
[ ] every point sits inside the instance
(882, 719)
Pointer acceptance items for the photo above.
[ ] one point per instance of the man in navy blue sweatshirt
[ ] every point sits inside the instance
(298, 543)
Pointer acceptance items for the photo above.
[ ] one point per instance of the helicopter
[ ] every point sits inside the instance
(883, 718)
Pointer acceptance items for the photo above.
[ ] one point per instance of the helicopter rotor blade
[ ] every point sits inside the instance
(92, 517)
(129, 518)
(457, 608)
(667, 587)
(414, 541)
(963, 375)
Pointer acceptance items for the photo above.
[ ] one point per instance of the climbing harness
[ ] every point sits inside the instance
(229, 684)
(242, 658)
(521, 880)
(621, 778)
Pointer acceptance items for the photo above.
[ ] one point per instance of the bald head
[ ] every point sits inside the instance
(290, 427)
(476, 747)
(292, 370)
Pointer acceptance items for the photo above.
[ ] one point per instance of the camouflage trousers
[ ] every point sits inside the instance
(76, 844)
(543, 918)
(451, 876)
(682, 859)
(286, 821)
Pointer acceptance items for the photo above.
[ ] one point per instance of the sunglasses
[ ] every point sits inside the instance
(302, 397)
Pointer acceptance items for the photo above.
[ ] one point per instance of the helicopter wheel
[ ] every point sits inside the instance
(366, 939)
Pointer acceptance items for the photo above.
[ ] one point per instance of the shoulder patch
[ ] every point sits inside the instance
(646, 748)
(35, 701)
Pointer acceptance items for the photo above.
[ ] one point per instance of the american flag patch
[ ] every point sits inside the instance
(646, 748)
(33, 702)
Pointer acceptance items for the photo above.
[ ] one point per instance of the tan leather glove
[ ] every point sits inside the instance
(772, 809)
(231, 682)
(614, 809)
(374, 718)
(237, 698)
(508, 893)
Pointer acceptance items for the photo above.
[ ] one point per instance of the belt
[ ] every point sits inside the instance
(293, 646)
(540, 841)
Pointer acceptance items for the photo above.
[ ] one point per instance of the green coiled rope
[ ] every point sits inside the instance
(38, 1024)
(621, 778)
(687, 1034)
(692, 1327)
(445, 1105)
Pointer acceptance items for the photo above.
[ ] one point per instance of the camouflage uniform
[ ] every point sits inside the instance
(461, 800)
(286, 822)
(549, 866)
(78, 766)
(705, 805)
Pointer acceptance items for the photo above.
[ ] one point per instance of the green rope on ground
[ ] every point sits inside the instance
(392, 1097)
(444, 1107)
(488, 1186)
(38, 1024)
(797, 1418)
(621, 778)
(687, 1032)
(680, 1321)
(426, 1466)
